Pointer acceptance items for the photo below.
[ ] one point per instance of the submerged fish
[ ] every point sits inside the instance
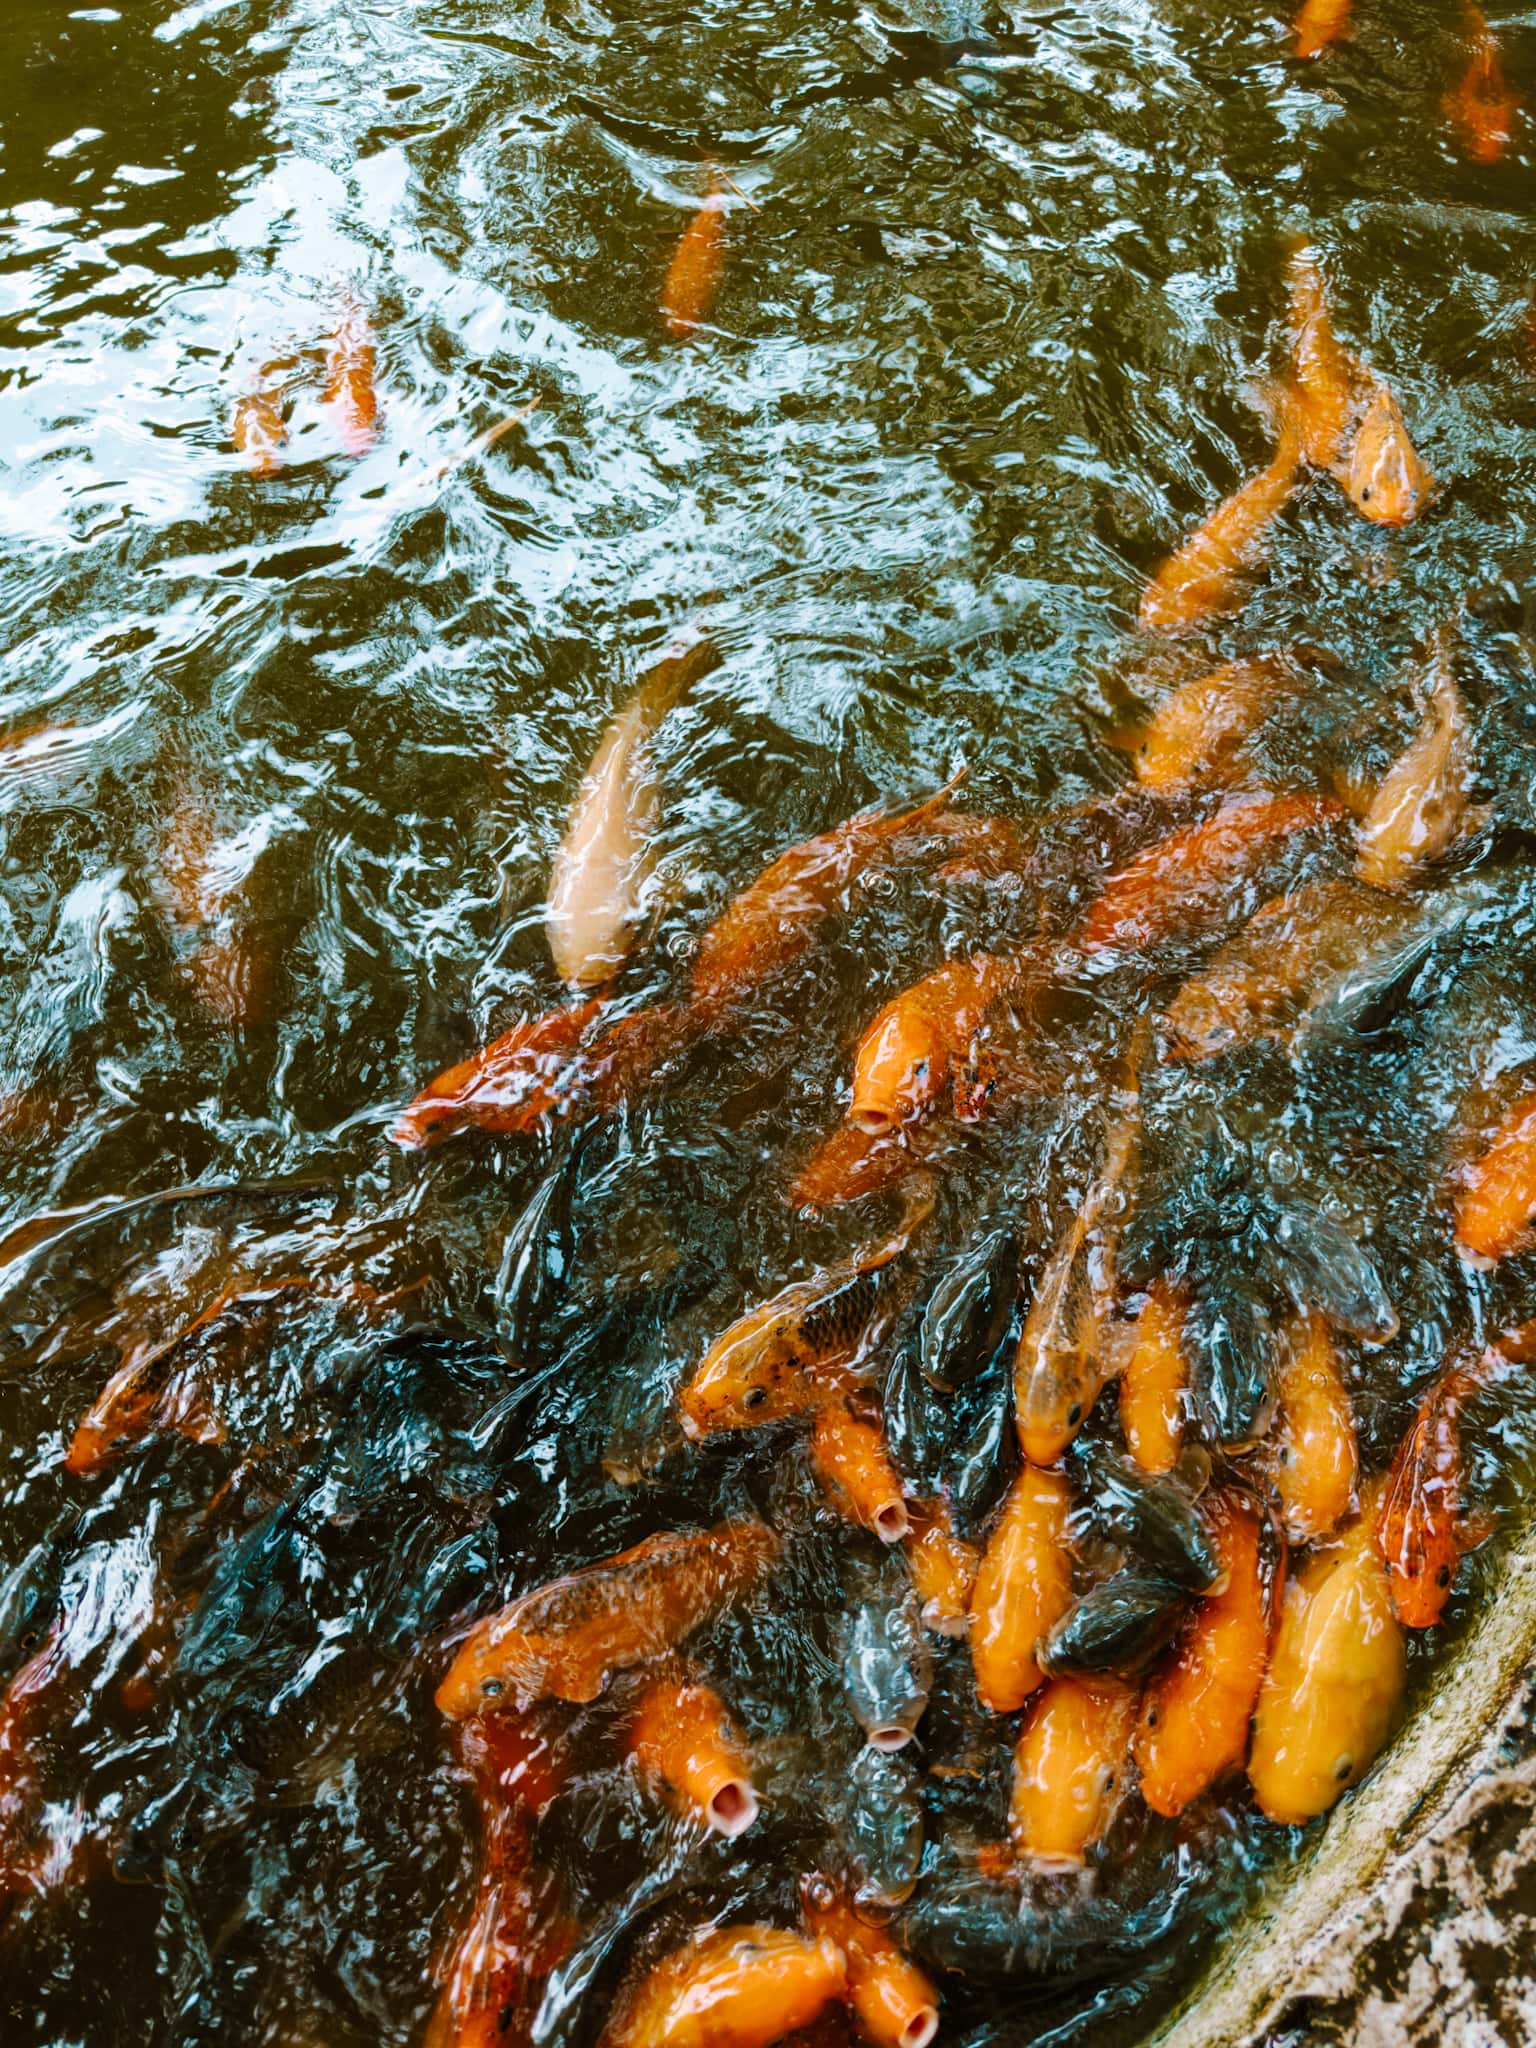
(882, 1826)
(564, 1639)
(1385, 480)
(1071, 1769)
(1198, 733)
(1204, 578)
(886, 1668)
(895, 2004)
(1419, 804)
(733, 1987)
(966, 1316)
(1316, 1460)
(1194, 1720)
(1153, 1379)
(1326, 379)
(349, 396)
(1233, 1350)
(943, 1567)
(1331, 1694)
(684, 1739)
(1482, 106)
(1321, 22)
(697, 266)
(598, 877)
(258, 429)
(1496, 1197)
(1023, 1587)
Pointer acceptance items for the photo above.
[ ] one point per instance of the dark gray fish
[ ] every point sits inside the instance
(983, 1464)
(883, 1828)
(1233, 1355)
(887, 1667)
(1120, 1626)
(967, 1315)
(1320, 1266)
(1154, 1518)
(536, 1257)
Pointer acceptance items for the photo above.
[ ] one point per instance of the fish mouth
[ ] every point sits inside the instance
(873, 1122)
(892, 1522)
(920, 2028)
(690, 1428)
(889, 1737)
(732, 1808)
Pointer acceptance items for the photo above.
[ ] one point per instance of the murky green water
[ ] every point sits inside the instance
(999, 330)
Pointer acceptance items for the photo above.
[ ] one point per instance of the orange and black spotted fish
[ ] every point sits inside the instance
(894, 2002)
(730, 1987)
(909, 1055)
(1205, 577)
(685, 1741)
(1482, 107)
(350, 397)
(564, 1639)
(1320, 23)
(1071, 1769)
(1423, 1526)
(698, 264)
(1194, 1719)
(1496, 1198)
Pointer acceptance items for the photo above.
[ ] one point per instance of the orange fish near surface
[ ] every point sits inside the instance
(258, 429)
(1320, 23)
(684, 1739)
(1420, 802)
(1194, 1719)
(1482, 107)
(1153, 1382)
(1325, 378)
(1422, 1525)
(1023, 1587)
(507, 1087)
(1071, 1769)
(1197, 734)
(1496, 1202)
(735, 1987)
(943, 1567)
(1197, 875)
(697, 266)
(1316, 1460)
(349, 396)
(1204, 578)
(895, 2004)
(564, 1639)
(1385, 480)
(908, 1054)
(850, 1458)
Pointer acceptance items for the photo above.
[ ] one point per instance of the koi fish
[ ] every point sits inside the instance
(1496, 1201)
(258, 428)
(849, 1457)
(564, 1639)
(908, 1053)
(1071, 1769)
(1316, 1460)
(1420, 801)
(943, 1567)
(1278, 967)
(1118, 1626)
(882, 1827)
(1386, 482)
(1422, 1527)
(1204, 578)
(886, 1668)
(517, 1079)
(231, 979)
(21, 1709)
(1194, 1719)
(1325, 378)
(967, 1314)
(894, 2003)
(1482, 107)
(1320, 23)
(1153, 1518)
(1064, 1356)
(733, 1987)
(1197, 735)
(1153, 1382)
(698, 263)
(1023, 1587)
(349, 394)
(684, 1739)
(1232, 1346)
(599, 872)
(1335, 1680)
(1198, 874)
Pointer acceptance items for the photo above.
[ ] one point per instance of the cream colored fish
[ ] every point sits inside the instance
(1415, 812)
(600, 871)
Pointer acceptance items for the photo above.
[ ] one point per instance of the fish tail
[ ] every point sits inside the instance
(1305, 279)
(930, 806)
(681, 664)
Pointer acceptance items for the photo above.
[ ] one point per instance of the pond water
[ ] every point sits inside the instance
(285, 760)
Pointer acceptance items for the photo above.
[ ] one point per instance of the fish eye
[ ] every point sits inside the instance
(1152, 1717)
(1074, 1414)
(1344, 1769)
(490, 1688)
(754, 1397)
(1443, 1576)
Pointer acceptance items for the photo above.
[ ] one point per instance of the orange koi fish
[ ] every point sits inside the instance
(698, 263)
(1421, 1526)
(943, 1567)
(1194, 1720)
(1284, 959)
(1415, 812)
(1482, 107)
(849, 1164)
(1189, 880)
(1065, 1354)
(1071, 1769)
(1385, 481)
(1331, 1694)
(1496, 1202)
(1320, 23)
(850, 1459)
(908, 1054)
(517, 1079)
(21, 1710)
(895, 2004)
(258, 429)
(733, 1987)
(685, 1741)
(349, 394)
(1197, 734)
(232, 980)
(1316, 1460)
(1325, 378)
(514, 1934)
(564, 1639)
(1153, 1382)
(1023, 1587)
(1204, 579)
